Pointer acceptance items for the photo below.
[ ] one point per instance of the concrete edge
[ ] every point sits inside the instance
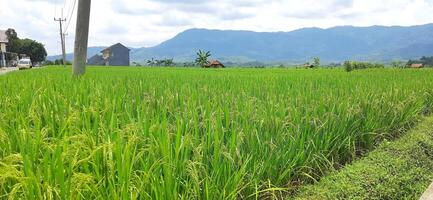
(428, 194)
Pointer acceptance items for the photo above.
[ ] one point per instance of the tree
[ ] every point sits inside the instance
(58, 62)
(428, 61)
(188, 64)
(35, 50)
(398, 64)
(151, 62)
(47, 62)
(160, 63)
(348, 66)
(202, 57)
(169, 62)
(136, 64)
(316, 62)
(14, 41)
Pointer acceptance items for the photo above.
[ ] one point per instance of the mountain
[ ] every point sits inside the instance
(375, 43)
(70, 56)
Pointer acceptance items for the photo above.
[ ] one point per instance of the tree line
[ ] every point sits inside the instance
(33, 49)
(201, 60)
(426, 61)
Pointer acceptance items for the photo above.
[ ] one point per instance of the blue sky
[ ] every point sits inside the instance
(139, 23)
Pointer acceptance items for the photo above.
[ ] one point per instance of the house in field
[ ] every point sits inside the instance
(115, 55)
(214, 64)
(96, 60)
(417, 65)
(3, 43)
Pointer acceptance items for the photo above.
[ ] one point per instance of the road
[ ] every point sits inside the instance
(6, 70)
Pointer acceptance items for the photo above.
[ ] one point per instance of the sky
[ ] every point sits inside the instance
(146, 23)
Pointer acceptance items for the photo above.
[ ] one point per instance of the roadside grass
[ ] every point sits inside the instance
(402, 169)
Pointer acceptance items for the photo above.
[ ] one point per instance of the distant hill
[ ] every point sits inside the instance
(375, 43)
(70, 56)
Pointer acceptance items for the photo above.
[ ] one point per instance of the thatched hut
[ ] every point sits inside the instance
(214, 64)
(416, 66)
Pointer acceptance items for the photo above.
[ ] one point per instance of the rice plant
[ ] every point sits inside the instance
(135, 133)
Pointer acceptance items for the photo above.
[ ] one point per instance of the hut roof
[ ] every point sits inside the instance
(118, 45)
(417, 65)
(215, 63)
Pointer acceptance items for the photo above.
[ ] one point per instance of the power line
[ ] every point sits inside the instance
(55, 8)
(64, 6)
(68, 5)
(70, 16)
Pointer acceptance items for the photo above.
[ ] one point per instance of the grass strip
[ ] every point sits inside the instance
(401, 169)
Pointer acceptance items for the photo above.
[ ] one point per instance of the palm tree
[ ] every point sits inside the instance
(151, 62)
(202, 57)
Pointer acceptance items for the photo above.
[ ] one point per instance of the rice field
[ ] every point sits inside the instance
(167, 133)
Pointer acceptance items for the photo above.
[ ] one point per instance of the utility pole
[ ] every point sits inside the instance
(81, 37)
(62, 37)
(64, 49)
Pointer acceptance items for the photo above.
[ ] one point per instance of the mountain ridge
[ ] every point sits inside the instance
(335, 44)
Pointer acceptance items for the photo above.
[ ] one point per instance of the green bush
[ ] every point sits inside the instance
(48, 62)
(353, 65)
(348, 66)
(60, 62)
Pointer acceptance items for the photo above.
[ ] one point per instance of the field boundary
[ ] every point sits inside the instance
(428, 194)
(401, 169)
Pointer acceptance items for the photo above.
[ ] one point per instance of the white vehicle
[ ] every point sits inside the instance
(25, 64)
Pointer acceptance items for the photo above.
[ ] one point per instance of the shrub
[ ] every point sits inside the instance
(348, 66)
(353, 65)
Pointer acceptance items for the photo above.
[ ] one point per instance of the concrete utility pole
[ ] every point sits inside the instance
(81, 37)
(62, 38)
(64, 49)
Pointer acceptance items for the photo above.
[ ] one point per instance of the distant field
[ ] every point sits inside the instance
(168, 133)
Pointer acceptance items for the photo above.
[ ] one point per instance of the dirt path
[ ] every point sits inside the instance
(7, 70)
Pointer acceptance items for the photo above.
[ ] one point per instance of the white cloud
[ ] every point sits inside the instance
(140, 23)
